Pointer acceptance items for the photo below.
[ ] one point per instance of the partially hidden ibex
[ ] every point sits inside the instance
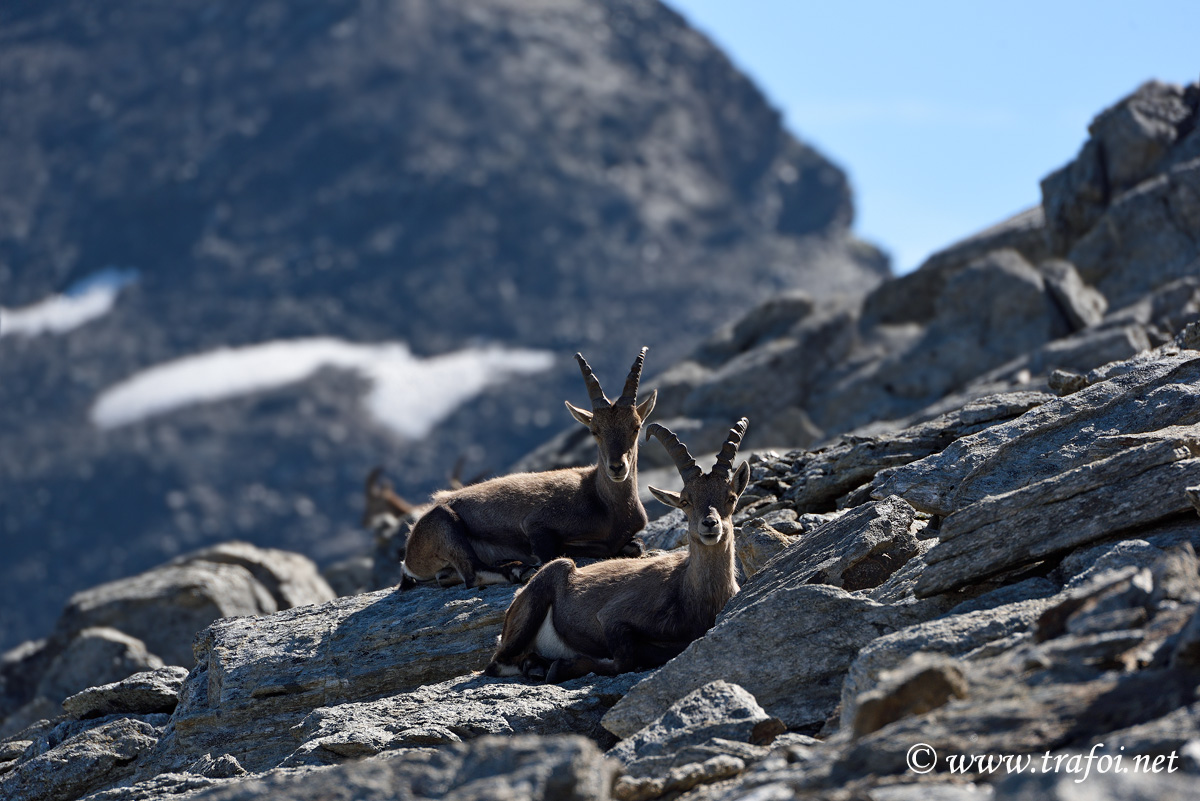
(385, 510)
(622, 615)
(500, 530)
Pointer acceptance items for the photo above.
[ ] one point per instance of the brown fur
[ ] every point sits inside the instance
(500, 530)
(384, 508)
(613, 617)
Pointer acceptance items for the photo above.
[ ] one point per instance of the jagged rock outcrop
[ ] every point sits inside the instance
(1103, 268)
(140, 694)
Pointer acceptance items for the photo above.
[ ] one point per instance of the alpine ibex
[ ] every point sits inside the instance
(386, 511)
(384, 508)
(618, 616)
(500, 530)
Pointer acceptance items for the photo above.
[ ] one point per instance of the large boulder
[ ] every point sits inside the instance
(257, 678)
(142, 622)
(1127, 142)
(166, 607)
(800, 658)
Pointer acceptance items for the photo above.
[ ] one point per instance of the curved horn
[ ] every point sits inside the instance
(629, 395)
(679, 452)
(730, 448)
(595, 392)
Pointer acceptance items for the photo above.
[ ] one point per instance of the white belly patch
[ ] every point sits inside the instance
(549, 645)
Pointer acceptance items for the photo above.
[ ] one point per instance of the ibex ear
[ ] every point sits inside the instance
(741, 477)
(667, 497)
(582, 415)
(645, 407)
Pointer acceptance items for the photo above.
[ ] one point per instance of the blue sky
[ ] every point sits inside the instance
(946, 115)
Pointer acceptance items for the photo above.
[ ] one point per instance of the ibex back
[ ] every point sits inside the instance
(500, 530)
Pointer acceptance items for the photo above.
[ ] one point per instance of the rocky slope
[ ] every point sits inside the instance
(1101, 269)
(529, 174)
(1007, 571)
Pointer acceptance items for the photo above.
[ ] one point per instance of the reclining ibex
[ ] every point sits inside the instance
(500, 530)
(617, 616)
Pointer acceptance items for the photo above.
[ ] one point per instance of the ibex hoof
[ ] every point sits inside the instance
(634, 549)
(534, 669)
(557, 673)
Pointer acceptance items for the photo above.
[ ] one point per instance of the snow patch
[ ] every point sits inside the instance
(410, 395)
(83, 302)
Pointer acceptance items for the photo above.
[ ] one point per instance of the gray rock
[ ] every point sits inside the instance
(894, 379)
(771, 319)
(488, 769)
(223, 767)
(21, 670)
(80, 764)
(1137, 132)
(858, 550)
(900, 585)
(1156, 737)
(139, 694)
(1088, 503)
(1148, 237)
(799, 661)
(672, 781)
(1013, 714)
(1186, 653)
(352, 576)
(39, 710)
(757, 542)
(449, 712)
(1086, 562)
(1128, 142)
(1097, 787)
(95, 656)
(818, 478)
(256, 678)
(291, 578)
(764, 382)
(716, 710)
(1081, 304)
(667, 532)
(166, 606)
(911, 298)
(966, 635)
(920, 684)
(1054, 437)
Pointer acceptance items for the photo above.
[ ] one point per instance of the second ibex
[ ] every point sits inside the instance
(498, 531)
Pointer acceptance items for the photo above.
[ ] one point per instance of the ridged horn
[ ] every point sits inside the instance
(595, 392)
(679, 452)
(730, 448)
(629, 395)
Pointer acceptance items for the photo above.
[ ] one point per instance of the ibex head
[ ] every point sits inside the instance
(615, 424)
(708, 499)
